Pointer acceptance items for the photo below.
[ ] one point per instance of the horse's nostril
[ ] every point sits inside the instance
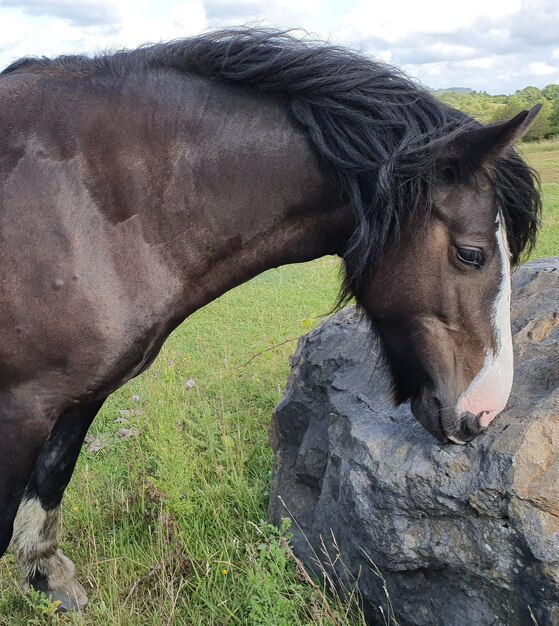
(469, 427)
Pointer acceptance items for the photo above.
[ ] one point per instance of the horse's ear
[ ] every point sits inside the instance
(479, 146)
(488, 142)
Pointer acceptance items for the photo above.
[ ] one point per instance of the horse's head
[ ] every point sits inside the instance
(440, 297)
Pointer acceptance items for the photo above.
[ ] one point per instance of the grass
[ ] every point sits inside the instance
(167, 526)
(544, 157)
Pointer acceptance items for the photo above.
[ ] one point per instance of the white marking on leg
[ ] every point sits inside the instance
(488, 393)
(35, 537)
(35, 545)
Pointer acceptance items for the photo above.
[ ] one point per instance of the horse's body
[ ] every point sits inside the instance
(133, 193)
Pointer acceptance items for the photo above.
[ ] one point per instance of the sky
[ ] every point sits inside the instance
(497, 46)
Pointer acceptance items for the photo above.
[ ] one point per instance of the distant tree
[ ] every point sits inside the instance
(551, 92)
(542, 126)
(478, 104)
(513, 106)
(529, 95)
(554, 117)
(489, 109)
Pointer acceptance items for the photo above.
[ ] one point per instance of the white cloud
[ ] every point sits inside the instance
(394, 20)
(83, 13)
(481, 63)
(231, 9)
(12, 30)
(494, 46)
(384, 55)
(453, 51)
(542, 69)
(141, 24)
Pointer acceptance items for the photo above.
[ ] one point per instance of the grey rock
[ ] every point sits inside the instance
(461, 535)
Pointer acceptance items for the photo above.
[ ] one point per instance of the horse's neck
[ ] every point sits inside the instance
(251, 194)
(226, 257)
(290, 241)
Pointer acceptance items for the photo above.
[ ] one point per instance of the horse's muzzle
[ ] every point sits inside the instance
(445, 423)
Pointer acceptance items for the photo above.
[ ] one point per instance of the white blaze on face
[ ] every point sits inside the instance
(488, 393)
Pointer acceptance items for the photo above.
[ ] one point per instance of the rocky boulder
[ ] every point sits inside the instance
(459, 535)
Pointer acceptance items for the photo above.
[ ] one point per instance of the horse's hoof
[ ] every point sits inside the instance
(71, 597)
(68, 601)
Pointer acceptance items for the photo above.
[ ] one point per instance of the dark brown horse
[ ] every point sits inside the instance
(137, 187)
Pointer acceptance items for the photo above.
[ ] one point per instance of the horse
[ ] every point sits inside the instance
(138, 186)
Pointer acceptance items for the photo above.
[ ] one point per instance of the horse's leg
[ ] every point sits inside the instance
(35, 542)
(24, 428)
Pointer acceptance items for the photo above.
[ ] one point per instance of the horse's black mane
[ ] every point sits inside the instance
(383, 136)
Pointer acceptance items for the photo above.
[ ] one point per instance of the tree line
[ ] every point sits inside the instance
(488, 109)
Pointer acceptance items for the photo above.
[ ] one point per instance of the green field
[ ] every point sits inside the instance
(168, 526)
(544, 157)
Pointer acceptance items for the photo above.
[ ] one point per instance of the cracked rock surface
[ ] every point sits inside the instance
(462, 535)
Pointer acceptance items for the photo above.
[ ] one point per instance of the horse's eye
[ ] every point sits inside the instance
(472, 257)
